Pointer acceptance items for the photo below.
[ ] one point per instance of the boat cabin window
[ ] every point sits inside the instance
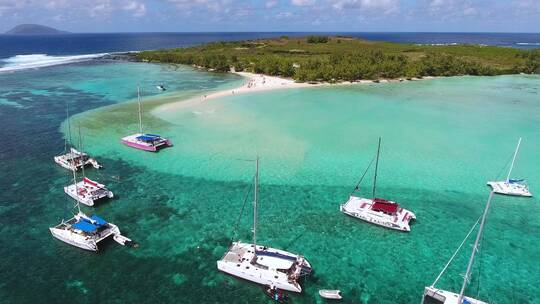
(431, 300)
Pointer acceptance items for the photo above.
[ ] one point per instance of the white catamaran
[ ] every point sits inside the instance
(87, 191)
(378, 211)
(516, 187)
(87, 231)
(434, 295)
(145, 141)
(74, 159)
(263, 265)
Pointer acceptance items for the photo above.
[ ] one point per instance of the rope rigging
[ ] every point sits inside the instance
(357, 187)
(246, 195)
(480, 265)
(456, 252)
(503, 169)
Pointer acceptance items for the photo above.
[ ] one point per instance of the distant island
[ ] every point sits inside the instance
(339, 58)
(34, 29)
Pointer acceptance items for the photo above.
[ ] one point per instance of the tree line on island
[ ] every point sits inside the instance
(322, 58)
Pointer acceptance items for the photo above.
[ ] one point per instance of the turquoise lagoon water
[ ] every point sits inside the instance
(442, 140)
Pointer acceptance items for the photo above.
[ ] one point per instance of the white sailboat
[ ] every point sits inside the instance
(516, 187)
(87, 231)
(87, 191)
(145, 141)
(434, 295)
(277, 268)
(378, 211)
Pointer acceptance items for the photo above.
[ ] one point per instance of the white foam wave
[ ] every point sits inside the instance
(528, 43)
(33, 61)
(438, 44)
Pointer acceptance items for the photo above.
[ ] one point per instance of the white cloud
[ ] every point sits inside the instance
(214, 5)
(138, 8)
(528, 5)
(61, 10)
(453, 9)
(386, 6)
(271, 4)
(302, 2)
(284, 15)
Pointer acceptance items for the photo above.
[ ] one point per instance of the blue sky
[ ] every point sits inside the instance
(274, 15)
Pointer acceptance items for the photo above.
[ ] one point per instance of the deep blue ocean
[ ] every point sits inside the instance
(75, 44)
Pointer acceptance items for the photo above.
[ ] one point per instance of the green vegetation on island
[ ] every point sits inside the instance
(322, 58)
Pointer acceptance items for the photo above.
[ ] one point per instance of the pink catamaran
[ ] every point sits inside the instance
(145, 141)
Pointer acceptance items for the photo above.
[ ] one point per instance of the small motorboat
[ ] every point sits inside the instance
(124, 241)
(161, 87)
(330, 294)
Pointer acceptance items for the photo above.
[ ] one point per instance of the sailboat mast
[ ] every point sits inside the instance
(72, 159)
(81, 151)
(68, 125)
(76, 188)
(256, 189)
(140, 110)
(376, 168)
(513, 160)
(475, 249)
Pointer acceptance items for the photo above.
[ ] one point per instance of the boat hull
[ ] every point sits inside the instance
(434, 295)
(75, 160)
(74, 239)
(132, 141)
(88, 200)
(360, 208)
(238, 262)
(330, 294)
(512, 189)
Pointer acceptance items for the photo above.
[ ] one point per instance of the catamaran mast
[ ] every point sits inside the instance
(513, 160)
(81, 151)
(140, 111)
(376, 168)
(72, 158)
(69, 127)
(475, 248)
(256, 189)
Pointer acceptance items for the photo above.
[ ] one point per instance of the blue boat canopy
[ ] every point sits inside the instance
(275, 254)
(85, 226)
(513, 181)
(98, 220)
(148, 137)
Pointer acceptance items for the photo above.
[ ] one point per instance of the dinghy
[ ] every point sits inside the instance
(330, 294)
(161, 87)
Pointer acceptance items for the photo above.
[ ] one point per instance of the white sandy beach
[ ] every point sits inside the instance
(255, 83)
(252, 83)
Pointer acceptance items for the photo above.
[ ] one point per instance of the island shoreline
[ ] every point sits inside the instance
(256, 83)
